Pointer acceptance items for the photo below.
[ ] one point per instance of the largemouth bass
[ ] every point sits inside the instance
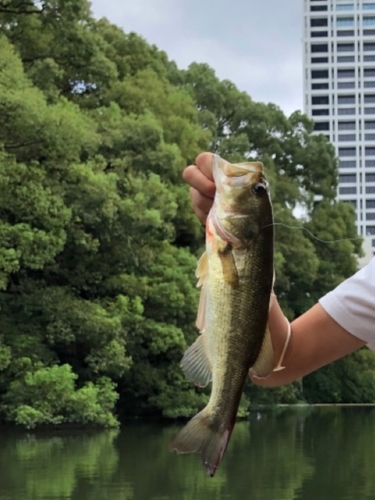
(236, 275)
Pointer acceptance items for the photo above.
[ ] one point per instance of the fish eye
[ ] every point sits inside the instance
(259, 187)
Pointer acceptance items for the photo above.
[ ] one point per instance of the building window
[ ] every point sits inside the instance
(367, 32)
(348, 190)
(318, 22)
(370, 216)
(369, 58)
(369, 85)
(369, 163)
(347, 164)
(319, 47)
(345, 33)
(370, 189)
(369, 111)
(370, 230)
(368, 6)
(321, 126)
(316, 60)
(320, 112)
(316, 8)
(344, 22)
(370, 203)
(370, 177)
(345, 59)
(346, 99)
(319, 73)
(345, 47)
(369, 125)
(369, 72)
(352, 202)
(347, 178)
(346, 73)
(319, 86)
(347, 152)
(369, 98)
(346, 111)
(319, 34)
(346, 125)
(346, 137)
(320, 99)
(369, 47)
(345, 6)
(369, 137)
(346, 85)
(368, 21)
(369, 151)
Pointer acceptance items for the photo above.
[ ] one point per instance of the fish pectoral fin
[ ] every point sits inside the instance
(202, 269)
(195, 363)
(228, 265)
(264, 363)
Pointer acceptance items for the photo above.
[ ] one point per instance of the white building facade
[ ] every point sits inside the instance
(339, 95)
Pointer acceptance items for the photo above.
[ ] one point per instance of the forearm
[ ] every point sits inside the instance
(316, 340)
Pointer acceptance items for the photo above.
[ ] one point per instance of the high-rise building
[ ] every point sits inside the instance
(339, 95)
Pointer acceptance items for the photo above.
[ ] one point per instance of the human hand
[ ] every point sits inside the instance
(202, 190)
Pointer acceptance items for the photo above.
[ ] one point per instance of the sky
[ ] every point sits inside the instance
(257, 44)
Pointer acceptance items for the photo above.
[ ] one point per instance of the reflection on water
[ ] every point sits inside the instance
(301, 453)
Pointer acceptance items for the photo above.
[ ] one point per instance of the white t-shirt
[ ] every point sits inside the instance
(352, 304)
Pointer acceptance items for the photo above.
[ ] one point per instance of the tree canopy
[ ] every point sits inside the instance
(99, 243)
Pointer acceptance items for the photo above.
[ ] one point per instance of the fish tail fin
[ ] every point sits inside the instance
(206, 437)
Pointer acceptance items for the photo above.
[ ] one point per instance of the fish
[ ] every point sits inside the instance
(236, 275)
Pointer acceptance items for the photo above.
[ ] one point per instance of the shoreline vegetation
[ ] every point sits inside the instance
(98, 240)
(256, 409)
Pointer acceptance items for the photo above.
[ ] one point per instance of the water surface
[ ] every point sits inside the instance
(304, 453)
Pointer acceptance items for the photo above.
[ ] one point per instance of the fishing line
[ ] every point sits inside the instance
(312, 235)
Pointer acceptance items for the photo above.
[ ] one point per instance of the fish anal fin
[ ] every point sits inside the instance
(228, 265)
(195, 363)
(265, 361)
(206, 437)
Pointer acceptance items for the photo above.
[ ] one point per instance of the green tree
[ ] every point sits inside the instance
(99, 243)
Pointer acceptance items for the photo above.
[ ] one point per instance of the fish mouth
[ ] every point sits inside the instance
(237, 175)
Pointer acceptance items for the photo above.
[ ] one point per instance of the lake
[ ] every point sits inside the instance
(321, 453)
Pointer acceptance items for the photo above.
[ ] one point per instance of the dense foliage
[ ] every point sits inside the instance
(98, 241)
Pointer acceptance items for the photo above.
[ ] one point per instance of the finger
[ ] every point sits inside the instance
(204, 163)
(202, 203)
(202, 216)
(193, 176)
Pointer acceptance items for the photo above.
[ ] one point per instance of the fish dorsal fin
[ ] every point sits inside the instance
(202, 269)
(264, 363)
(195, 363)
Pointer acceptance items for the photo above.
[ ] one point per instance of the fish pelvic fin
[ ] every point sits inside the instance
(265, 361)
(204, 436)
(201, 314)
(195, 364)
(202, 269)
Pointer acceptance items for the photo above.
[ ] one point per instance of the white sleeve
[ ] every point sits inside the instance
(352, 304)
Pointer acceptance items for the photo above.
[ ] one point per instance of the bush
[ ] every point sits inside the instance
(48, 395)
